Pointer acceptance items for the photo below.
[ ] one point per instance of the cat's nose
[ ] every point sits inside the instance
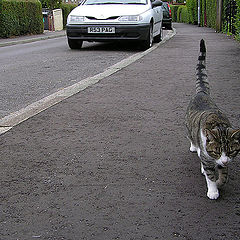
(225, 161)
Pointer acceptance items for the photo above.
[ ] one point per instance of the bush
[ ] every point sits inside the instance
(192, 6)
(182, 14)
(203, 9)
(237, 21)
(67, 8)
(20, 17)
(174, 9)
(224, 17)
(211, 13)
(208, 13)
(51, 4)
(189, 14)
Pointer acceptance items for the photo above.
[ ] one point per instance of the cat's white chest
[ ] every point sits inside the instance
(204, 143)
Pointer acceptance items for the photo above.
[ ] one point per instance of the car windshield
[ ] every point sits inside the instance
(99, 2)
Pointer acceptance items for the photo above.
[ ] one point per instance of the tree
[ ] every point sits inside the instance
(51, 3)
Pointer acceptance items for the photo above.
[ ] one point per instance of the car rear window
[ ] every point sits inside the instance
(165, 6)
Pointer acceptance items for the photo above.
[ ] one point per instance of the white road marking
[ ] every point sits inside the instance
(15, 118)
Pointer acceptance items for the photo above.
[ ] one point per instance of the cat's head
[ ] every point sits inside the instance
(222, 144)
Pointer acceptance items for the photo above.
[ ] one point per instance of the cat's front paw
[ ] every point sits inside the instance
(213, 194)
(193, 148)
(202, 170)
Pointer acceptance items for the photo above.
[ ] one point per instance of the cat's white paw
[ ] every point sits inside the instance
(212, 188)
(213, 194)
(202, 170)
(193, 148)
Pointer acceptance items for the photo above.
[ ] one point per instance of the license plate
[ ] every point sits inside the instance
(101, 29)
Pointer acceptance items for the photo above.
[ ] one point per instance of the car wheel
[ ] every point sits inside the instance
(158, 38)
(75, 44)
(149, 41)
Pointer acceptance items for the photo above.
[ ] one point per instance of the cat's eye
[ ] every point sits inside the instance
(214, 153)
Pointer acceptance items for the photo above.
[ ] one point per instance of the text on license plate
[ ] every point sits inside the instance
(101, 29)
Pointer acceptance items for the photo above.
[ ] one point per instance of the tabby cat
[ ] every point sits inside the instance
(210, 132)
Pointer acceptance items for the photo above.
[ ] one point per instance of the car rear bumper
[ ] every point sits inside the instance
(122, 32)
(166, 21)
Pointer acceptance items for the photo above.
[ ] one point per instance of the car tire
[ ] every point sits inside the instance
(75, 44)
(149, 41)
(158, 38)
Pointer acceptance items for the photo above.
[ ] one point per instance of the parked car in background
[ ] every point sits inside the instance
(115, 20)
(167, 16)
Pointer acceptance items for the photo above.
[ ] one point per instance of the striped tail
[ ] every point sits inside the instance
(202, 84)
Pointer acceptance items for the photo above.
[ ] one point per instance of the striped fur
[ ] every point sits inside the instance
(210, 132)
(202, 84)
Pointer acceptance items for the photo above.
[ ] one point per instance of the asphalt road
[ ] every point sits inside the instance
(113, 162)
(35, 70)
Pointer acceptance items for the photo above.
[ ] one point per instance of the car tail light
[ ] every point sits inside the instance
(170, 12)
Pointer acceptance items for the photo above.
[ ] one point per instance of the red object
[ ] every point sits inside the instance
(170, 12)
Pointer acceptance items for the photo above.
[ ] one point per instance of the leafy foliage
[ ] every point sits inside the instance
(237, 22)
(51, 4)
(182, 14)
(67, 8)
(192, 6)
(208, 14)
(211, 13)
(174, 9)
(19, 17)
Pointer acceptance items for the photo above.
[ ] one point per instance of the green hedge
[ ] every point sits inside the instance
(208, 12)
(189, 14)
(20, 17)
(174, 9)
(67, 8)
(211, 12)
(192, 6)
(182, 14)
(237, 21)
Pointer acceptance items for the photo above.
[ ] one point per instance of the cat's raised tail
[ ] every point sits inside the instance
(202, 84)
(202, 55)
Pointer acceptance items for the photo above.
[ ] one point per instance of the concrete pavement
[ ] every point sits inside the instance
(31, 38)
(15, 118)
(112, 162)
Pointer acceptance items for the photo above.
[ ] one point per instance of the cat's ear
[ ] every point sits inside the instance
(236, 134)
(210, 135)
